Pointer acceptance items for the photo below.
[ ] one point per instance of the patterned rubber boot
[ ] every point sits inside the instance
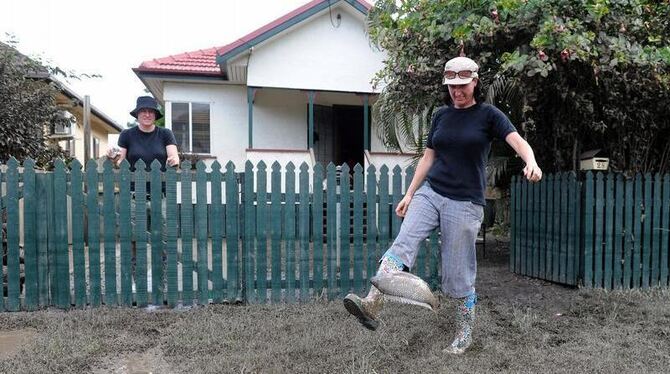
(367, 309)
(465, 316)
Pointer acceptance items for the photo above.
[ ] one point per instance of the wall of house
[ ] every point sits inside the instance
(98, 130)
(280, 119)
(317, 55)
(228, 117)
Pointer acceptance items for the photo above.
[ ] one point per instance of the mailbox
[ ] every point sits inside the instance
(591, 160)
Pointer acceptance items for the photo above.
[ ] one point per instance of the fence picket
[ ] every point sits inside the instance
(125, 236)
(331, 230)
(518, 250)
(384, 220)
(61, 250)
(93, 233)
(289, 232)
(232, 233)
(513, 225)
(578, 224)
(13, 235)
(186, 233)
(345, 227)
(371, 240)
(563, 267)
(556, 253)
(646, 231)
(317, 229)
(397, 196)
(550, 243)
(262, 232)
(665, 231)
(157, 245)
(202, 233)
(110, 238)
(629, 238)
(655, 233)
(52, 279)
(523, 229)
(3, 220)
(609, 221)
(542, 238)
(574, 203)
(434, 261)
(248, 223)
(303, 231)
(171, 247)
(276, 233)
(216, 225)
(535, 230)
(588, 230)
(43, 191)
(30, 252)
(598, 232)
(637, 231)
(140, 235)
(357, 229)
(617, 271)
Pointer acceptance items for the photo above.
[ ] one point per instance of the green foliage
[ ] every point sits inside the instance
(27, 108)
(572, 74)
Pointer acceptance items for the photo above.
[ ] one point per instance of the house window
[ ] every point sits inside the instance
(96, 148)
(190, 125)
(69, 147)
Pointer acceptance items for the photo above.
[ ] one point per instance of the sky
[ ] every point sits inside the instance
(109, 38)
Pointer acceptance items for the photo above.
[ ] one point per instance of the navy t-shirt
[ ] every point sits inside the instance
(461, 139)
(148, 146)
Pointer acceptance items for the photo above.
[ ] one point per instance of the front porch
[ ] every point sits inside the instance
(289, 125)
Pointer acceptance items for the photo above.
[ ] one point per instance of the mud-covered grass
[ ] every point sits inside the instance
(523, 325)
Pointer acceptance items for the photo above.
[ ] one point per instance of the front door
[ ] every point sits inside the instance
(338, 134)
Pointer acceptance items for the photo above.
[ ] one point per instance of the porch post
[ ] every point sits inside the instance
(366, 125)
(251, 93)
(310, 141)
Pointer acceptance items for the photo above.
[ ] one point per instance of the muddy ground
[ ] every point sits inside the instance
(523, 325)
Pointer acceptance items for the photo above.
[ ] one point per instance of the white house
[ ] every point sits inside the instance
(297, 89)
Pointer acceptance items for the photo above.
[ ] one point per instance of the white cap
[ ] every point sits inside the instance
(459, 64)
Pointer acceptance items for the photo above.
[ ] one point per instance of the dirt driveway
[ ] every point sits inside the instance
(523, 325)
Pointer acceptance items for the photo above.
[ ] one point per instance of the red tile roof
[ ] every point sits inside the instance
(200, 62)
(203, 62)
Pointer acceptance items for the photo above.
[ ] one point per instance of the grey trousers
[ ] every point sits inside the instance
(459, 223)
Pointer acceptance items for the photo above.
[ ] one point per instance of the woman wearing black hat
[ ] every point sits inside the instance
(146, 141)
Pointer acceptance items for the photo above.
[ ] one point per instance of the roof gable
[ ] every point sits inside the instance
(285, 22)
(211, 62)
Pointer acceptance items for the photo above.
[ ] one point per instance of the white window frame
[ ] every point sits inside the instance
(168, 122)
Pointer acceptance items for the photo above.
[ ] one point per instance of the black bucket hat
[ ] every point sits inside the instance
(146, 102)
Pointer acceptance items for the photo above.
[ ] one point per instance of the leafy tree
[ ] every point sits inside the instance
(573, 75)
(27, 108)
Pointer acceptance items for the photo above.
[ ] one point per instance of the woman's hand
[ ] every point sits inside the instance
(113, 153)
(532, 172)
(173, 160)
(401, 209)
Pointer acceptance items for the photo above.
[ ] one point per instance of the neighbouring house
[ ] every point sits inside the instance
(298, 89)
(71, 138)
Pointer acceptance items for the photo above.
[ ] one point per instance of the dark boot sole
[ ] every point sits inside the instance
(356, 310)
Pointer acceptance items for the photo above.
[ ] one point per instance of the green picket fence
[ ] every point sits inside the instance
(69, 236)
(604, 231)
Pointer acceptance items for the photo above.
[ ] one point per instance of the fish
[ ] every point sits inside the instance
(406, 288)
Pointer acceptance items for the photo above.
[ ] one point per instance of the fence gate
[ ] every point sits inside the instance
(604, 231)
